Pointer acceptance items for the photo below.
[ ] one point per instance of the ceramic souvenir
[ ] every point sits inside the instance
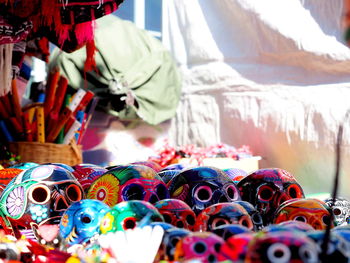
(200, 246)
(341, 210)
(308, 210)
(267, 188)
(254, 214)
(37, 196)
(235, 248)
(80, 223)
(87, 173)
(281, 246)
(203, 186)
(129, 182)
(177, 213)
(128, 215)
(227, 231)
(222, 214)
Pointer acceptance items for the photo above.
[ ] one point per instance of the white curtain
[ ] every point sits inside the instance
(274, 75)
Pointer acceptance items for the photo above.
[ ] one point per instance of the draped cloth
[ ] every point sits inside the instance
(5, 68)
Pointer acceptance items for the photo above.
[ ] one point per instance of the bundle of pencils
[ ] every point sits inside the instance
(58, 117)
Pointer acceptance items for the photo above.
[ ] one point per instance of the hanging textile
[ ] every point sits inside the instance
(5, 68)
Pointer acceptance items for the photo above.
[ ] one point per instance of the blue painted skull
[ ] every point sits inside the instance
(80, 223)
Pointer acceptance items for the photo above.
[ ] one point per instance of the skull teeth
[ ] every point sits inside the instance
(72, 236)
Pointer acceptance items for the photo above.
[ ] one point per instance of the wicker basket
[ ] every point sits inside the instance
(36, 152)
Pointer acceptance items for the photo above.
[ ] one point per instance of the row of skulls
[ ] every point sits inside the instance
(202, 204)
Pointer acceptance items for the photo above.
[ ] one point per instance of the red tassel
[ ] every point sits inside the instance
(90, 63)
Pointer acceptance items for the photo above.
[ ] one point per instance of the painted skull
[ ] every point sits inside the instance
(38, 196)
(203, 186)
(338, 248)
(222, 214)
(235, 174)
(341, 210)
(6, 175)
(297, 225)
(128, 182)
(170, 239)
(254, 214)
(80, 223)
(309, 210)
(167, 175)
(236, 247)
(128, 215)
(227, 231)
(202, 246)
(283, 246)
(267, 188)
(87, 173)
(177, 213)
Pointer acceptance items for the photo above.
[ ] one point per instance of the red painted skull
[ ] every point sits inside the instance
(308, 210)
(176, 213)
(223, 214)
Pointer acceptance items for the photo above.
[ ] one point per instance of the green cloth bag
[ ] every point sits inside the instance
(137, 78)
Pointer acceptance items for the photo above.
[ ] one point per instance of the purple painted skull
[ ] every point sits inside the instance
(203, 186)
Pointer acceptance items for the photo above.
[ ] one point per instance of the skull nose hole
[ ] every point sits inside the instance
(223, 199)
(61, 204)
(86, 219)
(180, 224)
(190, 220)
(336, 211)
(200, 248)
(257, 218)
(167, 218)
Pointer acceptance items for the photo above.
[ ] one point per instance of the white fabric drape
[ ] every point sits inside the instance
(274, 75)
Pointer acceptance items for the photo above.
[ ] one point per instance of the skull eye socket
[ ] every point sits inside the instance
(265, 193)
(73, 193)
(39, 194)
(337, 211)
(308, 254)
(219, 222)
(294, 191)
(129, 223)
(232, 192)
(278, 253)
(162, 192)
(300, 218)
(133, 192)
(246, 221)
(203, 193)
(199, 247)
